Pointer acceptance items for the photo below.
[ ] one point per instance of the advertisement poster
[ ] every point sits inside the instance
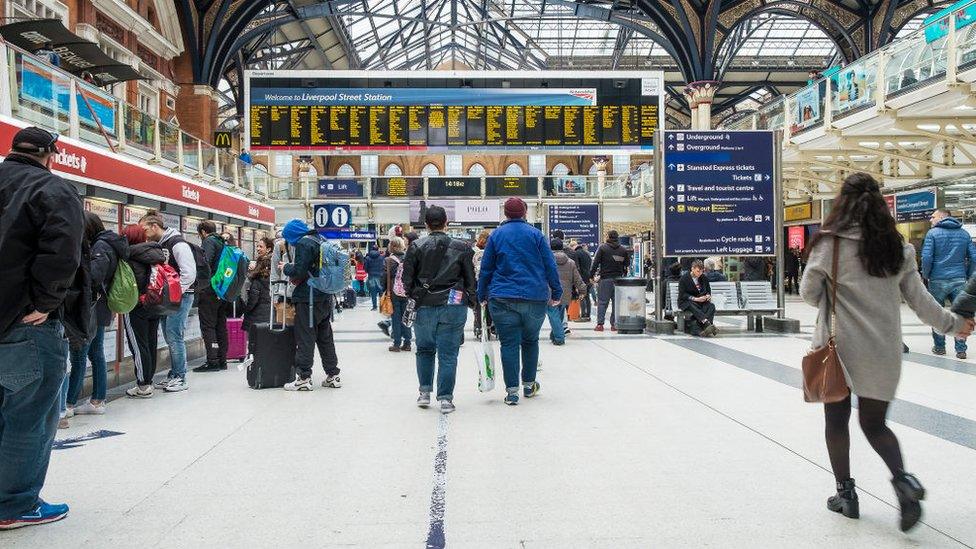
(937, 24)
(807, 107)
(50, 89)
(852, 88)
(459, 212)
(796, 237)
(571, 185)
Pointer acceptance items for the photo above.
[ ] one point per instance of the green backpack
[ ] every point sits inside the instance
(123, 295)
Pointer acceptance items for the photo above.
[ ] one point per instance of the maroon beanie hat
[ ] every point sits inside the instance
(515, 208)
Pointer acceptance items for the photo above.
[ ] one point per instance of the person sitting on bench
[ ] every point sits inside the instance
(695, 296)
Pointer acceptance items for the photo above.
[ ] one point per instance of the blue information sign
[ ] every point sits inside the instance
(332, 216)
(340, 188)
(914, 205)
(718, 195)
(348, 234)
(580, 222)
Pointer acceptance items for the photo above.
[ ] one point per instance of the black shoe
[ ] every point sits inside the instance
(406, 348)
(222, 365)
(845, 502)
(961, 355)
(910, 492)
(938, 351)
(904, 348)
(208, 367)
(384, 327)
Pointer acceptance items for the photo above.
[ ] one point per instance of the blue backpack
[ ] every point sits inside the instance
(231, 274)
(333, 262)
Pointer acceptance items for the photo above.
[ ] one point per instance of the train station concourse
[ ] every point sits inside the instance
(459, 273)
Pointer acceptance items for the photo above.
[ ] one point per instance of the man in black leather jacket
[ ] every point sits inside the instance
(438, 275)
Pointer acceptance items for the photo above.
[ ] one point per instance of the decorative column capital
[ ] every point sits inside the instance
(701, 92)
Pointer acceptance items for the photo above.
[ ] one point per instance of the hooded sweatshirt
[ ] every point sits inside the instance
(569, 277)
(306, 248)
(182, 258)
(611, 260)
(948, 252)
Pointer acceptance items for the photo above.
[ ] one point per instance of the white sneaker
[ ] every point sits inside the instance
(332, 382)
(162, 383)
(89, 409)
(140, 392)
(299, 384)
(69, 412)
(423, 400)
(447, 407)
(176, 385)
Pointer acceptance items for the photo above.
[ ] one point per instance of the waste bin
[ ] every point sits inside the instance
(630, 308)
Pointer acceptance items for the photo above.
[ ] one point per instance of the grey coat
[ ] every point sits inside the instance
(869, 339)
(569, 277)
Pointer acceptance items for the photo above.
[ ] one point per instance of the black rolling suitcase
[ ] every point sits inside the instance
(348, 298)
(272, 363)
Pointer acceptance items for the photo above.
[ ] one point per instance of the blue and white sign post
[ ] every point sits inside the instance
(718, 193)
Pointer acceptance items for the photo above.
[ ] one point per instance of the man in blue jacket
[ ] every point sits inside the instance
(313, 310)
(948, 259)
(518, 281)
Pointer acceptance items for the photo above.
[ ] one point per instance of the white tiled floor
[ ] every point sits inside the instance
(634, 442)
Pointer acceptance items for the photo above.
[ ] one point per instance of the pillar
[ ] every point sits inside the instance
(196, 104)
(700, 95)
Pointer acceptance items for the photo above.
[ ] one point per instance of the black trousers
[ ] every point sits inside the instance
(319, 334)
(704, 313)
(142, 333)
(213, 324)
(586, 305)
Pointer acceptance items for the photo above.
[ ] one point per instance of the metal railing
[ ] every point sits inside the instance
(936, 52)
(36, 92)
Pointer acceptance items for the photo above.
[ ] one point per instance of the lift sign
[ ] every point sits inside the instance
(332, 216)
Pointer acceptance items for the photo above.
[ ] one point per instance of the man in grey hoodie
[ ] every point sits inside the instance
(180, 257)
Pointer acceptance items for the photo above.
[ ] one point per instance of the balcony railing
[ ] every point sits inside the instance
(46, 96)
(936, 52)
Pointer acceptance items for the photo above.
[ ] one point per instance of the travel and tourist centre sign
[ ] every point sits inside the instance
(719, 193)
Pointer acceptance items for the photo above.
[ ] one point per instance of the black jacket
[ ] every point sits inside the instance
(452, 277)
(753, 269)
(212, 246)
(965, 303)
(41, 229)
(107, 249)
(791, 263)
(612, 261)
(306, 264)
(687, 289)
(141, 258)
(257, 308)
(584, 263)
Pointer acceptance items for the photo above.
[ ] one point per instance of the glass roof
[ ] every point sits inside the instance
(780, 35)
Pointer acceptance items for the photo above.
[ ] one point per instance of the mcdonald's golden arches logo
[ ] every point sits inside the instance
(222, 140)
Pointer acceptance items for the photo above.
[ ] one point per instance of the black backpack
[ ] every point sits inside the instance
(78, 307)
(199, 258)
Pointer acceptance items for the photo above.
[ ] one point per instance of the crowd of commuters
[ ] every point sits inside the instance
(63, 287)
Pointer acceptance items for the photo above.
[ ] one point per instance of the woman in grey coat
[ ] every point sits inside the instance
(876, 270)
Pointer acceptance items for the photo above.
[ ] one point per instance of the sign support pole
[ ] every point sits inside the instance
(778, 243)
(660, 290)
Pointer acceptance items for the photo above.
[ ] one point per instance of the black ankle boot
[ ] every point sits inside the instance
(845, 502)
(910, 492)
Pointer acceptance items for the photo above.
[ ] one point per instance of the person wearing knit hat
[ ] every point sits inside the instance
(518, 281)
(313, 310)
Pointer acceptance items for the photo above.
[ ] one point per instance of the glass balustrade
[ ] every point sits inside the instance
(854, 87)
(208, 156)
(191, 153)
(140, 130)
(226, 161)
(169, 142)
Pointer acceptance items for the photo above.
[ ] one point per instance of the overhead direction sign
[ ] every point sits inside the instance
(332, 216)
(719, 193)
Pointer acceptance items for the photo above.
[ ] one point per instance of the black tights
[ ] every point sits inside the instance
(871, 415)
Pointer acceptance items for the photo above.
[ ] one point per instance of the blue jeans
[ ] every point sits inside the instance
(942, 291)
(517, 324)
(95, 352)
(32, 366)
(374, 286)
(173, 327)
(438, 332)
(401, 334)
(556, 315)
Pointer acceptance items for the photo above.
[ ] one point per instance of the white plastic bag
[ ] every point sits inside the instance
(485, 358)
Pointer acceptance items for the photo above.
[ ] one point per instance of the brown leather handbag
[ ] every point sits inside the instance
(823, 372)
(386, 300)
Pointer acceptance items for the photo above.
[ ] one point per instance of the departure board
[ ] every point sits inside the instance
(425, 111)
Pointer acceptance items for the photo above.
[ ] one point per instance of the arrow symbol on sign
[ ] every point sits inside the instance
(671, 198)
(670, 147)
(727, 136)
(767, 218)
(670, 166)
(671, 209)
(768, 239)
(671, 137)
(761, 198)
(670, 187)
(767, 177)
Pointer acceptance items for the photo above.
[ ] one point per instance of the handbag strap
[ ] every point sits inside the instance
(833, 286)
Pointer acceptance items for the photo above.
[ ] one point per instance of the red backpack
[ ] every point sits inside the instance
(163, 294)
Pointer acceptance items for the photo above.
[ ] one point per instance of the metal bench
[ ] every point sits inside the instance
(730, 300)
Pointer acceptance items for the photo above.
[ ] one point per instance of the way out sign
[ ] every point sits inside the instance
(332, 216)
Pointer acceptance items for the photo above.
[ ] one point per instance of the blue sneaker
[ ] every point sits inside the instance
(530, 389)
(43, 514)
(511, 399)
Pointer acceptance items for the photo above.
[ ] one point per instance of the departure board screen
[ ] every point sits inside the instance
(419, 111)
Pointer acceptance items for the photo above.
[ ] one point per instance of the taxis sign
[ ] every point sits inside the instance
(223, 140)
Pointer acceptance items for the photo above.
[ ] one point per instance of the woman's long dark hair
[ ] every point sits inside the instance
(860, 204)
(93, 226)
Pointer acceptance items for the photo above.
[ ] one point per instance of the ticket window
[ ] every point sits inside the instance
(247, 242)
(190, 225)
